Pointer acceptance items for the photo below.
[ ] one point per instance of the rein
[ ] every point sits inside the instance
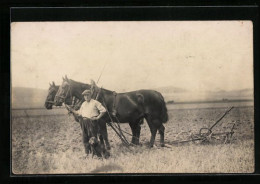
(51, 102)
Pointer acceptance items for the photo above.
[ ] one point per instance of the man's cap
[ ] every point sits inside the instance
(87, 91)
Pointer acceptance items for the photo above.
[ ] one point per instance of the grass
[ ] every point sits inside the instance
(52, 145)
(231, 158)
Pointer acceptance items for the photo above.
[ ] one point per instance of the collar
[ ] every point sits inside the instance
(89, 101)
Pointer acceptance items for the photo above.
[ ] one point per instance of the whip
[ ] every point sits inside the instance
(102, 71)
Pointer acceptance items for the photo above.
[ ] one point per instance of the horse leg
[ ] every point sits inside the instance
(86, 143)
(138, 131)
(161, 132)
(133, 128)
(105, 154)
(101, 139)
(153, 134)
(103, 132)
(95, 146)
(103, 150)
(105, 136)
(153, 130)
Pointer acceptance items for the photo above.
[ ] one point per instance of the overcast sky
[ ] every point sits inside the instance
(198, 55)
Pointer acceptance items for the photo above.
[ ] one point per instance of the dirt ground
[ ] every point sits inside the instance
(52, 144)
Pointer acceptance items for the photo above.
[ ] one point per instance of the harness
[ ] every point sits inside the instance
(114, 111)
(50, 92)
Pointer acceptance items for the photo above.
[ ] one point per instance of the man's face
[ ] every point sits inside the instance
(87, 97)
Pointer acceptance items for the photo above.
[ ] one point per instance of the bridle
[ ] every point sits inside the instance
(52, 91)
(66, 95)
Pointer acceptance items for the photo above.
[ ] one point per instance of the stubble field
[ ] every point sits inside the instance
(50, 143)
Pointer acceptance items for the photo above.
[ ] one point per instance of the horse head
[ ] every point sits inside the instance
(49, 102)
(63, 92)
(51, 95)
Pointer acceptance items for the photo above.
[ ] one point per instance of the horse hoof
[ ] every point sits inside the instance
(162, 145)
(135, 143)
(87, 152)
(106, 155)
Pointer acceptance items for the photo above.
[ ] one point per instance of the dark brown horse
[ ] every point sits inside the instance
(130, 107)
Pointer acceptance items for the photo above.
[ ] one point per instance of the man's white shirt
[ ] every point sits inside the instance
(91, 109)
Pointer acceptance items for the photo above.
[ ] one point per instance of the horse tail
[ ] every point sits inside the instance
(140, 101)
(164, 113)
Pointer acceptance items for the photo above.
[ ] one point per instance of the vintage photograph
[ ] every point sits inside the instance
(132, 97)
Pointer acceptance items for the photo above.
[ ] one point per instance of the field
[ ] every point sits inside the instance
(49, 142)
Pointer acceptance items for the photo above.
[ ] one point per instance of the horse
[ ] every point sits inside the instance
(130, 107)
(49, 102)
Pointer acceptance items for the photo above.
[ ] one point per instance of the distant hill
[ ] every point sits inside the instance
(234, 94)
(183, 95)
(28, 97)
(35, 98)
(170, 89)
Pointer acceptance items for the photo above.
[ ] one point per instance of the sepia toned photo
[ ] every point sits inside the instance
(93, 97)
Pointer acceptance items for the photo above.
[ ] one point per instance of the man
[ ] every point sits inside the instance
(90, 111)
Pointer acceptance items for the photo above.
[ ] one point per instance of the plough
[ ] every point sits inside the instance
(206, 135)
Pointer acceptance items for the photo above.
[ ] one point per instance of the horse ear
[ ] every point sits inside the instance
(50, 84)
(93, 86)
(53, 83)
(92, 82)
(66, 78)
(63, 78)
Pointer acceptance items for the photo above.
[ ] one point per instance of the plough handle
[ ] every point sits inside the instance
(221, 118)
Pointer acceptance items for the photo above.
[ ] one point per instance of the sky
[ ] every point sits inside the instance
(194, 55)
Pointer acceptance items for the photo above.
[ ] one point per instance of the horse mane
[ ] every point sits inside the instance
(79, 83)
(55, 87)
(107, 90)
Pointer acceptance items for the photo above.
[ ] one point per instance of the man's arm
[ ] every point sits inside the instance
(72, 110)
(101, 110)
(99, 116)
